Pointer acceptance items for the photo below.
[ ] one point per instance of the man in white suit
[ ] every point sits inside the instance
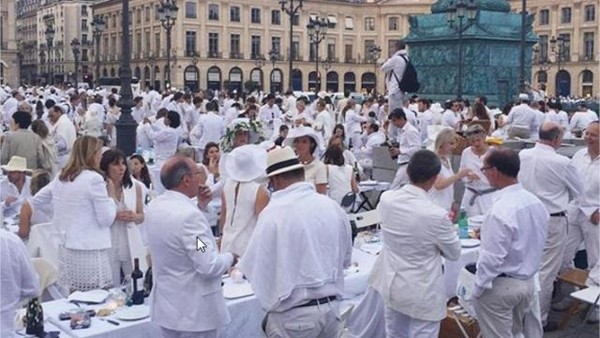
(182, 274)
(416, 235)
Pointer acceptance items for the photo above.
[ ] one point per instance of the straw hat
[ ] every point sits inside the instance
(246, 163)
(282, 160)
(16, 163)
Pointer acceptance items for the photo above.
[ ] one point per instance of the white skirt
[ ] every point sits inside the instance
(84, 270)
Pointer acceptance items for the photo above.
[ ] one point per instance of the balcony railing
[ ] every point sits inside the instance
(236, 55)
(214, 54)
(586, 58)
(350, 60)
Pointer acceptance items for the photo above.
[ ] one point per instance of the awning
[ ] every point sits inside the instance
(349, 22)
(332, 19)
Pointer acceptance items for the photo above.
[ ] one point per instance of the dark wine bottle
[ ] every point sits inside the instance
(137, 278)
(34, 318)
(148, 282)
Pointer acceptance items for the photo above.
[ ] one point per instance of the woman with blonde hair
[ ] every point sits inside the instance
(28, 216)
(442, 192)
(86, 209)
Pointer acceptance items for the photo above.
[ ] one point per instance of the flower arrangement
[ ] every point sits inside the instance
(255, 128)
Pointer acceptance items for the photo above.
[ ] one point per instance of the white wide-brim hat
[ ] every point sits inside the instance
(282, 160)
(322, 95)
(246, 163)
(300, 132)
(16, 163)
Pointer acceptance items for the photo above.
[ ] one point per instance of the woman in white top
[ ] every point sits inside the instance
(30, 216)
(112, 116)
(353, 125)
(305, 142)
(243, 198)
(130, 212)
(85, 210)
(165, 134)
(479, 194)
(442, 192)
(340, 175)
(210, 164)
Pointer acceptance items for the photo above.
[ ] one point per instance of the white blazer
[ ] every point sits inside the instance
(183, 275)
(416, 235)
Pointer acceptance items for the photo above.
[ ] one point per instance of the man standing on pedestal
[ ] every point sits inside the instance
(393, 69)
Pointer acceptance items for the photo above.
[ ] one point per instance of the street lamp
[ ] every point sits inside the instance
(461, 10)
(292, 10)
(273, 56)
(317, 28)
(42, 61)
(259, 61)
(167, 14)
(98, 26)
(75, 48)
(541, 60)
(375, 53)
(49, 38)
(563, 41)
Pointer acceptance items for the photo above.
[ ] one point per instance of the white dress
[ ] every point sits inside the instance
(240, 219)
(482, 203)
(444, 197)
(120, 257)
(340, 181)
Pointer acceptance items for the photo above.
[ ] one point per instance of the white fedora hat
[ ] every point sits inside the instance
(281, 160)
(246, 163)
(16, 163)
(300, 132)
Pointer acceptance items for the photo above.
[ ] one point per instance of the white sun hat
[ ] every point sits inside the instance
(16, 163)
(246, 163)
(300, 132)
(282, 160)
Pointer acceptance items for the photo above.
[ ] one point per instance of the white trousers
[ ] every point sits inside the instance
(395, 101)
(399, 325)
(552, 260)
(167, 333)
(501, 310)
(319, 321)
(582, 230)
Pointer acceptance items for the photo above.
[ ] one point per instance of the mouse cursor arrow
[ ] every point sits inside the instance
(200, 246)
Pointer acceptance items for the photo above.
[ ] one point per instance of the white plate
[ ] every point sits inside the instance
(369, 183)
(93, 296)
(135, 312)
(233, 290)
(469, 243)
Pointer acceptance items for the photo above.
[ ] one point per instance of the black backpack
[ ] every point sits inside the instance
(409, 82)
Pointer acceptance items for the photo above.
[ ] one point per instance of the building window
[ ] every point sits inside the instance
(275, 17)
(369, 24)
(590, 13)
(234, 14)
(542, 77)
(587, 83)
(312, 52)
(147, 12)
(368, 45)
(349, 23)
(348, 53)
(255, 15)
(138, 44)
(543, 56)
(255, 46)
(295, 50)
(190, 10)
(565, 54)
(138, 15)
(213, 12)
(296, 19)
(393, 23)
(276, 44)
(544, 17)
(190, 43)
(565, 15)
(331, 50)
(234, 46)
(147, 41)
(156, 15)
(213, 44)
(588, 46)
(156, 43)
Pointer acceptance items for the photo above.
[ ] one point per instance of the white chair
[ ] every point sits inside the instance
(590, 295)
(44, 241)
(365, 219)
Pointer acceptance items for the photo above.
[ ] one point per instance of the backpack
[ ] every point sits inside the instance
(409, 82)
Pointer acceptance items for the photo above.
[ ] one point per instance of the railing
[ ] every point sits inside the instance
(236, 55)
(586, 58)
(214, 54)
(347, 60)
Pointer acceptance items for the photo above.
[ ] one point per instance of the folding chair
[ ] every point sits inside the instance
(365, 219)
(591, 296)
(577, 278)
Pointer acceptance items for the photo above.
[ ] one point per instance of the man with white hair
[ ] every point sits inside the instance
(63, 131)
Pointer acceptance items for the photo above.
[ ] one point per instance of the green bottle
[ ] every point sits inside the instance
(34, 318)
(463, 224)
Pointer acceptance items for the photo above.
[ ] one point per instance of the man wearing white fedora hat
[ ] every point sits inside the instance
(14, 188)
(311, 249)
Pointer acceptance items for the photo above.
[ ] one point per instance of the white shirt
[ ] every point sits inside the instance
(64, 134)
(324, 123)
(19, 280)
(373, 140)
(523, 116)
(353, 121)
(7, 188)
(580, 120)
(270, 116)
(310, 249)
(409, 141)
(393, 69)
(165, 139)
(445, 197)
(210, 128)
(450, 119)
(9, 108)
(513, 239)
(549, 176)
(425, 120)
(589, 172)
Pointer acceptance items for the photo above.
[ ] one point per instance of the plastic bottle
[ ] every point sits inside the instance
(463, 224)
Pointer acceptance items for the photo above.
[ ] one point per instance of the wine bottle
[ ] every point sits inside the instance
(463, 224)
(137, 278)
(148, 282)
(34, 318)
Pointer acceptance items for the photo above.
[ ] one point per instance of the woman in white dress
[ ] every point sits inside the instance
(165, 134)
(479, 194)
(442, 192)
(30, 216)
(340, 175)
(243, 197)
(125, 234)
(112, 116)
(305, 142)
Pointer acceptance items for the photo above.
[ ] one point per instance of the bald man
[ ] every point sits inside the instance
(555, 181)
(182, 273)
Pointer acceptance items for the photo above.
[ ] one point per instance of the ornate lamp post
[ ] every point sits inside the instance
(98, 26)
(42, 61)
(273, 56)
(541, 60)
(167, 14)
(317, 28)
(293, 8)
(75, 44)
(375, 53)
(461, 10)
(49, 38)
(126, 125)
(562, 47)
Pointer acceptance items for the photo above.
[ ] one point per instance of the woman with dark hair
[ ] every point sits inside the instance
(112, 115)
(339, 174)
(139, 169)
(165, 135)
(210, 162)
(340, 132)
(28, 216)
(125, 235)
(48, 146)
(305, 142)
